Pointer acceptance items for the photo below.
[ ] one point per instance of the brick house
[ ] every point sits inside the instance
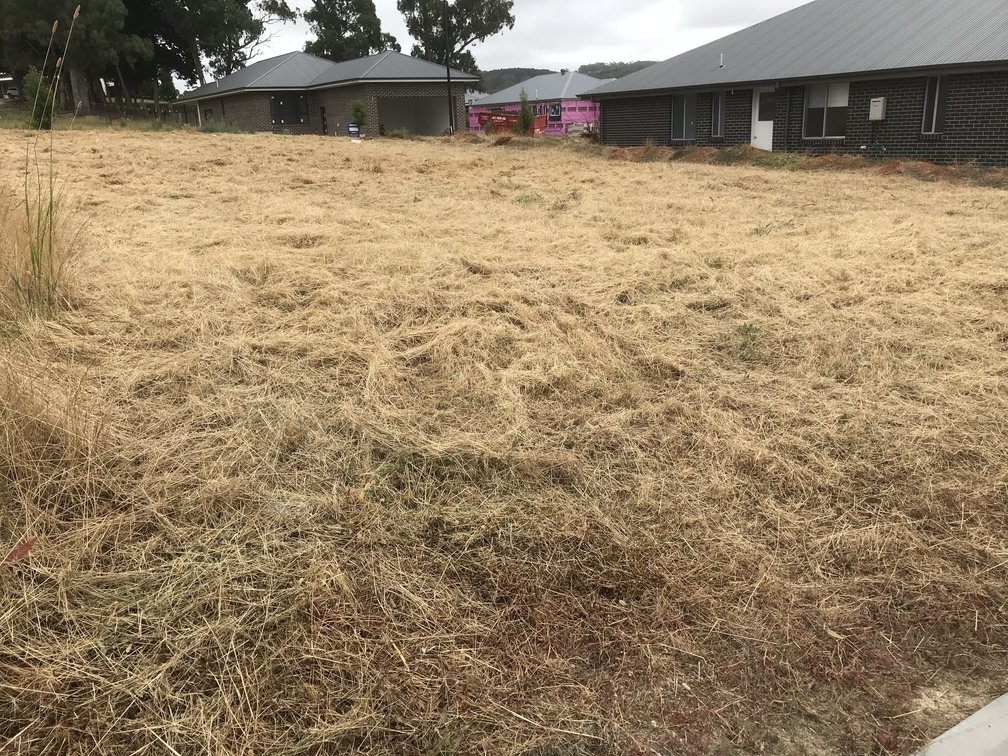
(298, 93)
(916, 79)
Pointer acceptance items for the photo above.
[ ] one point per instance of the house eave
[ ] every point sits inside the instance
(318, 87)
(891, 73)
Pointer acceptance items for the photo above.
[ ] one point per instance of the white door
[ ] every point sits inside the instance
(762, 119)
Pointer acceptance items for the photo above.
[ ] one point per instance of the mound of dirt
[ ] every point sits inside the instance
(701, 155)
(918, 169)
(837, 162)
(646, 154)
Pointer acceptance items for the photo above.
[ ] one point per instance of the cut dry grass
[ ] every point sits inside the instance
(675, 459)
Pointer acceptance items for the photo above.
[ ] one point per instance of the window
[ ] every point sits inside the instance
(826, 110)
(287, 109)
(208, 114)
(684, 117)
(554, 111)
(935, 102)
(717, 116)
(767, 103)
(222, 113)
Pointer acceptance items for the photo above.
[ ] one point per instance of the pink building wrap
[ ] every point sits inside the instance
(572, 112)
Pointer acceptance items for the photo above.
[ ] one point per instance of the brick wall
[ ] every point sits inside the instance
(738, 116)
(251, 110)
(976, 125)
(631, 122)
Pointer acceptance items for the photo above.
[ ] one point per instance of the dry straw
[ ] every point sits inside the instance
(432, 448)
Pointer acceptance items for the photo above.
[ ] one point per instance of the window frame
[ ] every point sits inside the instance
(717, 114)
(300, 115)
(938, 107)
(826, 112)
(689, 110)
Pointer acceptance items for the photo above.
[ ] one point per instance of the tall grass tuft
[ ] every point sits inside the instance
(37, 248)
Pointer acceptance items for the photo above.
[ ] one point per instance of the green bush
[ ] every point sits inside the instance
(526, 118)
(402, 133)
(358, 112)
(223, 127)
(39, 96)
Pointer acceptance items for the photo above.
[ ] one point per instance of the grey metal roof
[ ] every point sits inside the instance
(387, 66)
(833, 38)
(299, 70)
(547, 87)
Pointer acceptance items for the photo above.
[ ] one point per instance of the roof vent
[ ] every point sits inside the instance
(722, 61)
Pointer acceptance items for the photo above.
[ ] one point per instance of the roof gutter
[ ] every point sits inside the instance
(891, 73)
(315, 87)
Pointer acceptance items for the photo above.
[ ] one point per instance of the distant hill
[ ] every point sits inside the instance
(502, 78)
(614, 70)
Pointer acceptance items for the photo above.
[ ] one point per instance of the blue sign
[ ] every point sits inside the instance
(354, 129)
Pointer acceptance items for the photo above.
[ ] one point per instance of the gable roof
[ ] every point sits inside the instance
(553, 86)
(834, 38)
(299, 70)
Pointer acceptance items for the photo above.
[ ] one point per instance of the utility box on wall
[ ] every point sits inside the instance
(877, 110)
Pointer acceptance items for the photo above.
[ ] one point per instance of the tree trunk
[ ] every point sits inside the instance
(97, 96)
(81, 92)
(157, 94)
(198, 62)
(64, 96)
(122, 83)
(119, 96)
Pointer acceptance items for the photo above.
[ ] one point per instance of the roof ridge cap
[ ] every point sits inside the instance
(570, 80)
(381, 56)
(285, 59)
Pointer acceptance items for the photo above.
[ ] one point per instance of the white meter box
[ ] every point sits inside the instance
(877, 110)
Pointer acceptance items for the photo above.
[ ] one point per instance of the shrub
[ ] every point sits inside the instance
(223, 127)
(402, 133)
(526, 118)
(490, 129)
(39, 96)
(359, 113)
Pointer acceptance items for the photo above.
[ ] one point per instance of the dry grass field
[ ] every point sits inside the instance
(437, 447)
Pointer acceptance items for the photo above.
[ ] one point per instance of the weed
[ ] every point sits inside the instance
(529, 198)
(752, 342)
(402, 133)
(223, 127)
(38, 247)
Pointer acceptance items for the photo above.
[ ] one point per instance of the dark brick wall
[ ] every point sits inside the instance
(976, 126)
(631, 122)
(251, 110)
(738, 116)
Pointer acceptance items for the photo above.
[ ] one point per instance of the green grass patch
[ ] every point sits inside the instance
(223, 127)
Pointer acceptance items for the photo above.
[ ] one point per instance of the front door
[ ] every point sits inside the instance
(325, 124)
(764, 101)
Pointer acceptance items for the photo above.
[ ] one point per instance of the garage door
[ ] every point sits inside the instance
(426, 116)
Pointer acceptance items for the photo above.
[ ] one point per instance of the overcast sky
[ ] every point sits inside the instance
(558, 34)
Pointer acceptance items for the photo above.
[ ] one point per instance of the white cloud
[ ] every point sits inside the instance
(569, 33)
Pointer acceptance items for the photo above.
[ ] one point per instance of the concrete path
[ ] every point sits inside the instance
(983, 734)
